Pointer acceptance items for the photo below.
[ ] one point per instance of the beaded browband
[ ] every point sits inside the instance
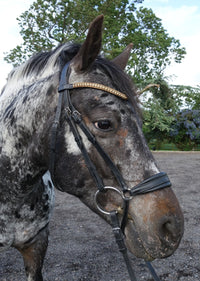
(94, 86)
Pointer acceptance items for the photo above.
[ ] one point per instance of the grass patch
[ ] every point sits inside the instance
(171, 147)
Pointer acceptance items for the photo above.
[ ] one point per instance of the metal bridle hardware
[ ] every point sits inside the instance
(74, 119)
(106, 189)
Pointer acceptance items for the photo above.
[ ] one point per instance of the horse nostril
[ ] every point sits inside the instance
(169, 231)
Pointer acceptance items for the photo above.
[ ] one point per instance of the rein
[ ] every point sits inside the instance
(75, 121)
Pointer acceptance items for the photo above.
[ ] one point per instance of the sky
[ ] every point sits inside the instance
(181, 19)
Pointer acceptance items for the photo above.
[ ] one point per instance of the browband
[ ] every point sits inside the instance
(94, 86)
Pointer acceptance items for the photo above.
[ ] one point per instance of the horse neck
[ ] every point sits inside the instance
(25, 128)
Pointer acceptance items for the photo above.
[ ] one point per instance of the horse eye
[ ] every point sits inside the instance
(104, 125)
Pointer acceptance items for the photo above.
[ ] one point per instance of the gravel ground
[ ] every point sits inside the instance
(82, 246)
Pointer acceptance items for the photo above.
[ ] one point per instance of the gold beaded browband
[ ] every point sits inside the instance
(99, 87)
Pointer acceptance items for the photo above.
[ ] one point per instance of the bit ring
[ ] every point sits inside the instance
(107, 188)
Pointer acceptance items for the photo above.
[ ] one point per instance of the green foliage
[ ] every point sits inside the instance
(158, 112)
(172, 114)
(49, 23)
(187, 97)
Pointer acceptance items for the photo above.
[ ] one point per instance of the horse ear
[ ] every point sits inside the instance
(122, 59)
(91, 47)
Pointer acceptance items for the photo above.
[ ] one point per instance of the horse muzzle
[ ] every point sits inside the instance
(154, 221)
(155, 225)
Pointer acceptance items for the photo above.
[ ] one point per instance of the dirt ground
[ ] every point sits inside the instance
(82, 246)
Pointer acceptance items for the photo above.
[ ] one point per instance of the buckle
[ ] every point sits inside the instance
(76, 116)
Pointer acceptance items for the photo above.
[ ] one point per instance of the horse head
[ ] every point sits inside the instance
(154, 222)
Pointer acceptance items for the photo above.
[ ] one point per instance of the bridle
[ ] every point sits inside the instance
(75, 121)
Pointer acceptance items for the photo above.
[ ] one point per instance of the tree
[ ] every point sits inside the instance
(188, 97)
(172, 113)
(159, 110)
(48, 23)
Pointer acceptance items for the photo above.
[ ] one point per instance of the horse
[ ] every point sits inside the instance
(41, 149)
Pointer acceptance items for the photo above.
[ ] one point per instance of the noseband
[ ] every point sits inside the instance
(75, 121)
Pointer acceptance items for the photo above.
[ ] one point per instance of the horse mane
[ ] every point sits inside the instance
(55, 58)
(45, 64)
(40, 66)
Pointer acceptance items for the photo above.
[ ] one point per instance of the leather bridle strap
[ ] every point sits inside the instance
(155, 182)
(78, 120)
(119, 238)
(70, 117)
